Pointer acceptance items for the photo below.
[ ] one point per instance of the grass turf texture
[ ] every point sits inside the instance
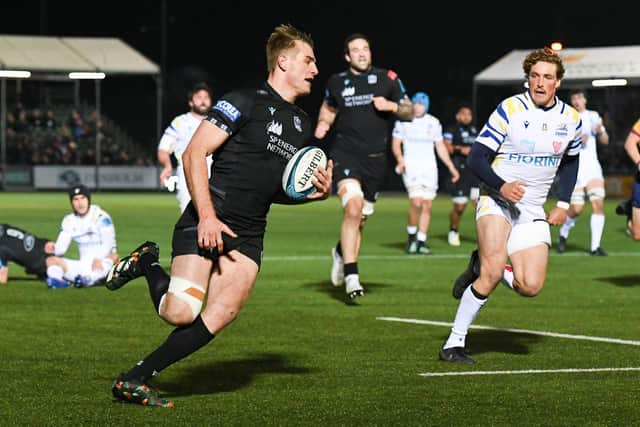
(299, 354)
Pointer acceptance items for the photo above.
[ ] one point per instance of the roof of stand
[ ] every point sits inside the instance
(48, 54)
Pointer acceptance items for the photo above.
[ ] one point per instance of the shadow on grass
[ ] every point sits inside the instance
(227, 376)
(400, 246)
(627, 281)
(337, 292)
(479, 342)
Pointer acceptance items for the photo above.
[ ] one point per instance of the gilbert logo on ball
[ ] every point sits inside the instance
(297, 177)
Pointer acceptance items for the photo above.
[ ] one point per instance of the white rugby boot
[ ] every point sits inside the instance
(353, 288)
(337, 268)
(454, 238)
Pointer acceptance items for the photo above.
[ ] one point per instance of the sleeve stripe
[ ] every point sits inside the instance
(502, 113)
(492, 129)
(524, 104)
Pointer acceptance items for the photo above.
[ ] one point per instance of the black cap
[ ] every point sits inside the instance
(80, 189)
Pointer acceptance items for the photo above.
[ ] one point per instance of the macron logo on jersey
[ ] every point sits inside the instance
(226, 108)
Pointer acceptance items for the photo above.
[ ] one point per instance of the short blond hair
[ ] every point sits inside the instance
(282, 38)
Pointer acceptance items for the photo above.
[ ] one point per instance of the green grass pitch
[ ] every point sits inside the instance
(299, 354)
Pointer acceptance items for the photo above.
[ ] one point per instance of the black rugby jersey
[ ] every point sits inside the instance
(359, 127)
(460, 135)
(246, 175)
(23, 248)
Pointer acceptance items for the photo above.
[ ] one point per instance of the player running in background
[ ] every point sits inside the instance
(360, 104)
(529, 139)
(631, 208)
(413, 144)
(218, 240)
(93, 231)
(459, 137)
(175, 139)
(590, 181)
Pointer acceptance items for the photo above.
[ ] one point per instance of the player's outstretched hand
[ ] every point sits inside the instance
(322, 181)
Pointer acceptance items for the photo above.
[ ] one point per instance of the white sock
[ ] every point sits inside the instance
(412, 229)
(55, 272)
(567, 226)
(507, 276)
(597, 225)
(422, 237)
(467, 311)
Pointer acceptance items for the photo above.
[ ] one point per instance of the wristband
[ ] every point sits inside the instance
(563, 205)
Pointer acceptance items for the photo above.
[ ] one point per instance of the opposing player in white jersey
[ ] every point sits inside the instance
(413, 144)
(175, 139)
(93, 231)
(590, 181)
(528, 140)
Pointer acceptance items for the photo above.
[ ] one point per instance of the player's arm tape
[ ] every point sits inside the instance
(563, 205)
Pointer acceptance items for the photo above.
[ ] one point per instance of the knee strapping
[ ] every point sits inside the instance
(351, 190)
(577, 197)
(597, 193)
(189, 292)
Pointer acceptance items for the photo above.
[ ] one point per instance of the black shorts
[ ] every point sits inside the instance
(369, 169)
(185, 242)
(467, 181)
(38, 265)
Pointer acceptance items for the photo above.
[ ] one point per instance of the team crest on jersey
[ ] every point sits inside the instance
(561, 130)
(274, 127)
(346, 82)
(297, 123)
(372, 79)
(272, 110)
(348, 91)
(29, 242)
(556, 146)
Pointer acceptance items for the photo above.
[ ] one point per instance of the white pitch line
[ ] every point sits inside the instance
(405, 257)
(526, 371)
(516, 331)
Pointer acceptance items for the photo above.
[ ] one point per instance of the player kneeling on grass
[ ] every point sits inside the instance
(218, 240)
(529, 138)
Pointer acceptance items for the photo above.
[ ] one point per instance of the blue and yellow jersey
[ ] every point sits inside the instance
(530, 142)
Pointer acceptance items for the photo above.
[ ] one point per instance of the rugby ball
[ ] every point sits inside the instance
(296, 179)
